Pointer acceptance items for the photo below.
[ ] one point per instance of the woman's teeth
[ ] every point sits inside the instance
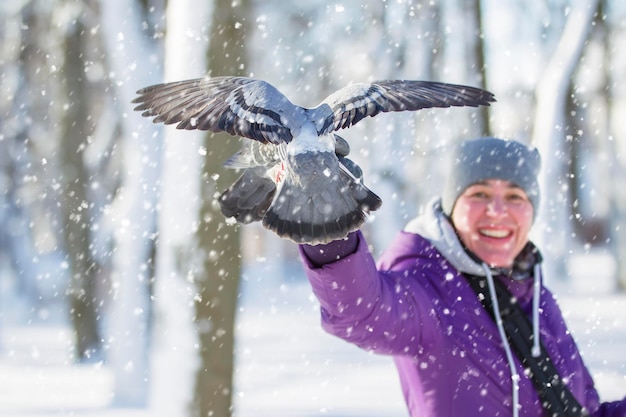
(494, 233)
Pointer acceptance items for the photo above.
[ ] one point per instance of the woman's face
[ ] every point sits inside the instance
(493, 219)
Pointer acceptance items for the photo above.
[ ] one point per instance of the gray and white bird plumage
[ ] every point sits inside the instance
(320, 198)
(248, 199)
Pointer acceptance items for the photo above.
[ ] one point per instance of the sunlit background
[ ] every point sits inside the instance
(123, 290)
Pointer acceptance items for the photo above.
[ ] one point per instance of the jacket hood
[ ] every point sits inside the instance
(435, 226)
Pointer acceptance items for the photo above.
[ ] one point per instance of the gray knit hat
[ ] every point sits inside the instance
(492, 158)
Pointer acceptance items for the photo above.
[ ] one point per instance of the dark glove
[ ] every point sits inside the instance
(333, 251)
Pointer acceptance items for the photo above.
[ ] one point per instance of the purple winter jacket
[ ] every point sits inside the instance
(416, 306)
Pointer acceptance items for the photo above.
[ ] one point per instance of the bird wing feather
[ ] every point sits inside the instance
(352, 103)
(248, 198)
(256, 154)
(240, 106)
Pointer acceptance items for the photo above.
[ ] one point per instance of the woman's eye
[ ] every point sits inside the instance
(517, 197)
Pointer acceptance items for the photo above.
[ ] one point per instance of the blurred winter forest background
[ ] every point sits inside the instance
(111, 221)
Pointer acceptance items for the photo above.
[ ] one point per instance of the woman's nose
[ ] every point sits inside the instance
(497, 206)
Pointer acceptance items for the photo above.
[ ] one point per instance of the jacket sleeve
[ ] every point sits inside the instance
(371, 309)
(612, 409)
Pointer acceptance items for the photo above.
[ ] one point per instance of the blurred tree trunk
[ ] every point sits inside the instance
(598, 203)
(549, 137)
(391, 143)
(611, 156)
(218, 287)
(576, 146)
(175, 357)
(132, 58)
(16, 156)
(587, 132)
(476, 58)
(429, 141)
(77, 127)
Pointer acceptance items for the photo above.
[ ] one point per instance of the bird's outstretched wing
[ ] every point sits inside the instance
(239, 106)
(352, 103)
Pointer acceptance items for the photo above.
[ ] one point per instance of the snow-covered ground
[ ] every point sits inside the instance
(286, 365)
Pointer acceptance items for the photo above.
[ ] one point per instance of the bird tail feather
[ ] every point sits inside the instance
(323, 202)
(248, 198)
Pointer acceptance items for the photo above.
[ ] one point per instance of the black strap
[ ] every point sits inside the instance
(555, 396)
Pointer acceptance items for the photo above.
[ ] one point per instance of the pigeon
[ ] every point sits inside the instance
(297, 180)
(248, 198)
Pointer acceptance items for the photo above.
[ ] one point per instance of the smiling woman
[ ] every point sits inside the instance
(458, 299)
